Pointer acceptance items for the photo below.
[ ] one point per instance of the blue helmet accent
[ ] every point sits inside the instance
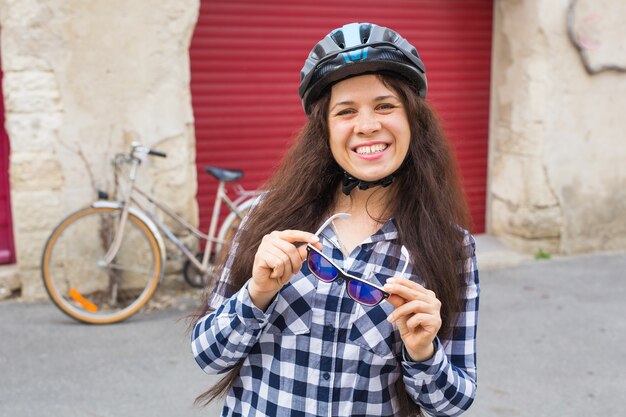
(354, 55)
(359, 48)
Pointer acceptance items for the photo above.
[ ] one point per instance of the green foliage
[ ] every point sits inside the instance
(542, 254)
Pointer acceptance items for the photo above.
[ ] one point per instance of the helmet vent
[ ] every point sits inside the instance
(390, 36)
(364, 32)
(318, 52)
(338, 38)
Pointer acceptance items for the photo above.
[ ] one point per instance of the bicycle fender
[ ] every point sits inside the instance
(221, 236)
(145, 219)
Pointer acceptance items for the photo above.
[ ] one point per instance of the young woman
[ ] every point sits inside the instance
(375, 313)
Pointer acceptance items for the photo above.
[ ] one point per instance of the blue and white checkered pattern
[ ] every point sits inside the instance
(315, 352)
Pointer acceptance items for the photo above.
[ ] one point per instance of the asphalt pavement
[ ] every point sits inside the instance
(551, 342)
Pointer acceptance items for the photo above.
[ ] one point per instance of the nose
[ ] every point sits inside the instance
(367, 123)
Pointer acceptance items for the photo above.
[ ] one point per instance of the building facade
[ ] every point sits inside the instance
(535, 120)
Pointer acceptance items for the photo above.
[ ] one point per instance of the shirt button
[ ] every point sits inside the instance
(326, 376)
(329, 328)
(339, 281)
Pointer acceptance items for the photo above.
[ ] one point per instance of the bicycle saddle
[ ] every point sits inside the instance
(224, 174)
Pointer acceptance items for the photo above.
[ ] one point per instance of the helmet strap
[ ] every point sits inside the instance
(350, 182)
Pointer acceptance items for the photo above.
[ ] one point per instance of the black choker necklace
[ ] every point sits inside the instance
(350, 183)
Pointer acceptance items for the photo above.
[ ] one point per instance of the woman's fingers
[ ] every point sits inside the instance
(396, 300)
(293, 255)
(278, 255)
(285, 240)
(413, 303)
(279, 266)
(411, 308)
(409, 290)
(288, 258)
(417, 313)
(294, 236)
(402, 283)
(420, 319)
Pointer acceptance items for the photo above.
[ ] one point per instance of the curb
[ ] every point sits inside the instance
(8, 280)
(492, 253)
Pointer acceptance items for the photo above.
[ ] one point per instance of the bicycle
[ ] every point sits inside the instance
(102, 263)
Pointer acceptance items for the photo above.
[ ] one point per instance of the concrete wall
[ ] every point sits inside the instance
(558, 152)
(82, 80)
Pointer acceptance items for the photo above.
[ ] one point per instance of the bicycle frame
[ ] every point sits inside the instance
(137, 213)
(210, 239)
(129, 202)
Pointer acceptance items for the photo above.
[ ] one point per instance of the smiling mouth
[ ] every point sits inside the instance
(370, 150)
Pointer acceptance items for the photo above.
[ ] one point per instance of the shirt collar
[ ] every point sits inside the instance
(388, 231)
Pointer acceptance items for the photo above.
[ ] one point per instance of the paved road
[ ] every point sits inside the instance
(552, 339)
(51, 366)
(552, 342)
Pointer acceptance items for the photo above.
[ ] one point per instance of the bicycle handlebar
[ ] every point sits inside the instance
(157, 153)
(138, 150)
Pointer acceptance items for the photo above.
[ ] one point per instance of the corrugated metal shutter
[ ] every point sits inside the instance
(246, 58)
(6, 231)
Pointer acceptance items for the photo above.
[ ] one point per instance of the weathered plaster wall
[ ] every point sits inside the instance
(82, 80)
(558, 181)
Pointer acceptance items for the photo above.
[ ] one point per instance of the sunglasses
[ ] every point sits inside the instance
(358, 289)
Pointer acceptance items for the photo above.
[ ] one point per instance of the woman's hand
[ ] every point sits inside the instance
(277, 259)
(417, 313)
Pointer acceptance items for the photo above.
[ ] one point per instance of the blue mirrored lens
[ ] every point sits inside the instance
(322, 269)
(364, 293)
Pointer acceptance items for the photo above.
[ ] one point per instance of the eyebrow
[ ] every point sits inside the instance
(350, 102)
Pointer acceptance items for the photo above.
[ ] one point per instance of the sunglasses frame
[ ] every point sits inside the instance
(346, 277)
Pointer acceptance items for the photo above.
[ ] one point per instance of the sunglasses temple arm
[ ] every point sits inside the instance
(329, 220)
(405, 253)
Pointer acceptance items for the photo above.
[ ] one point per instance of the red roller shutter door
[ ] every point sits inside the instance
(6, 231)
(246, 58)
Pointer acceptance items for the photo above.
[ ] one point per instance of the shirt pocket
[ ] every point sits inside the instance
(293, 311)
(371, 330)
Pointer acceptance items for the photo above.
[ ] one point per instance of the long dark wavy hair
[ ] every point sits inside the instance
(426, 200)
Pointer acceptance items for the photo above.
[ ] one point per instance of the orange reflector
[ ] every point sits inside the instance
(87, 305)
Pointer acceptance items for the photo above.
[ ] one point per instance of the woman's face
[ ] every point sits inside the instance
(369, 128)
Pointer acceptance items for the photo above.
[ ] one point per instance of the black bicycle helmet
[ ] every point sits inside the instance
(359, 48)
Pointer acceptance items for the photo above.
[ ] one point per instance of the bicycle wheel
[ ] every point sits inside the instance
(79, 281)
(197, 278)
(230, 227)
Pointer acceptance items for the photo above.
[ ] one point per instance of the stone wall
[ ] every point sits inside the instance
(82, 80)
(557, 176)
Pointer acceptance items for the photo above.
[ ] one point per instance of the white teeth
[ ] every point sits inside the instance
(368, 150)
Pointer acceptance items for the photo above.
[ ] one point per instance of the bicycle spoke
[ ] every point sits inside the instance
(128, 269)
(82, 284)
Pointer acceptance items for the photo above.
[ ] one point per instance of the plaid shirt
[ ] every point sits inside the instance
(315, 352)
